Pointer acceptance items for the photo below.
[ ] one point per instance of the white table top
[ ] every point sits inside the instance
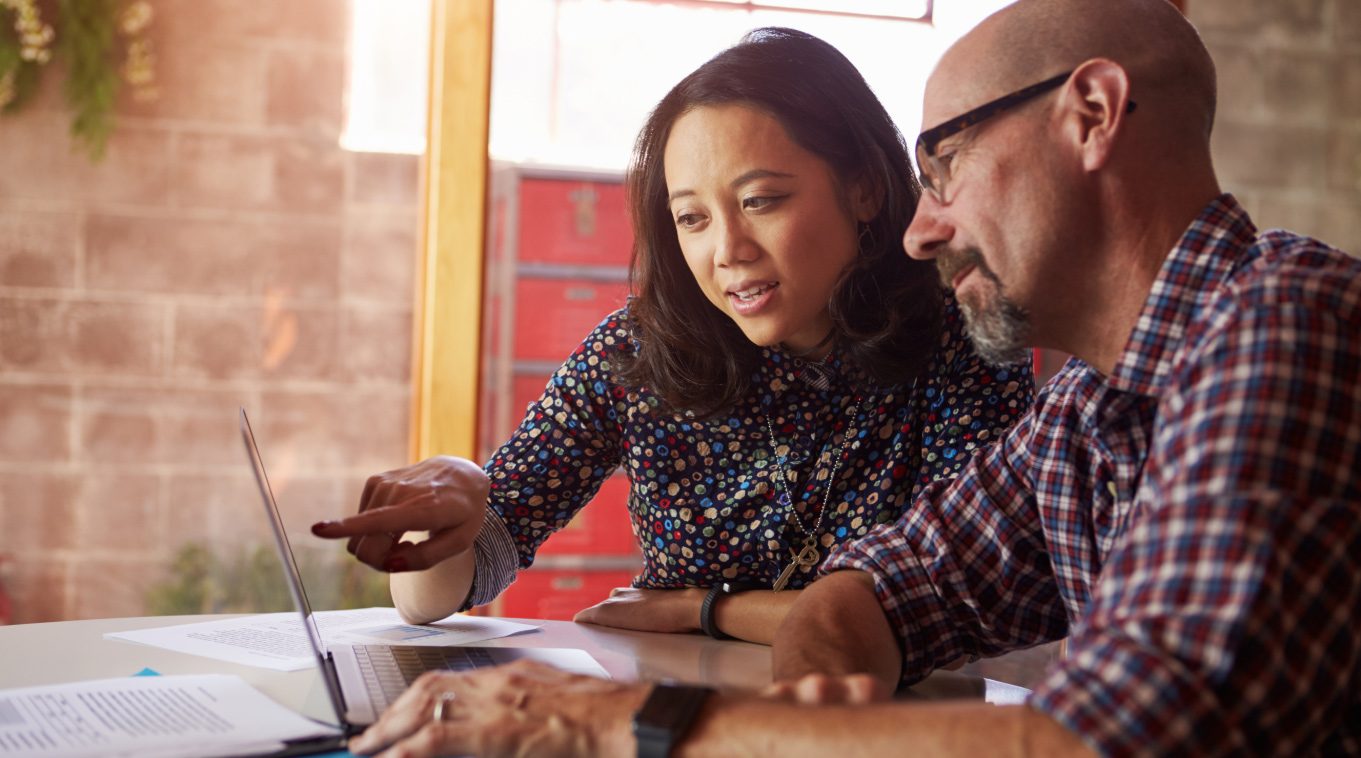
(66, 651)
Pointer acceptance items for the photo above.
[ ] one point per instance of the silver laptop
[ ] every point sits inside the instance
(362, 680)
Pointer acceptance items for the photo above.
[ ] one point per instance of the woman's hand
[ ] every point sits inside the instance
(523, 709)
(443, 496)
(647, 610)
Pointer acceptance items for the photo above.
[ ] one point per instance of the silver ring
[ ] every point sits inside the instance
(443, 706)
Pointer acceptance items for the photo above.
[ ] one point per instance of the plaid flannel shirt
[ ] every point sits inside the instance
(1191, 522)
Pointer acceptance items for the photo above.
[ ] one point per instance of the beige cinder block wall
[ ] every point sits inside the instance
(1288, 138)
(226, 251)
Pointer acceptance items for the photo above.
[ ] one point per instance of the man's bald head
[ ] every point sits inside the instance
(1170, 70)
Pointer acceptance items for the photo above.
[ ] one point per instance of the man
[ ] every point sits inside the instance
(1183, 504)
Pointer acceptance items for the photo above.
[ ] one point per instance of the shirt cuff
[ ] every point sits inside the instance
(1121, 700)
(494, 561)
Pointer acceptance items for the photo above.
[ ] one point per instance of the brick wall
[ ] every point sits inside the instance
(1288, 137)
(226, 252)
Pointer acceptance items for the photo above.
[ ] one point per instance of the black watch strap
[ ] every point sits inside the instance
(706, 613)
(665, 716)
(706, 609)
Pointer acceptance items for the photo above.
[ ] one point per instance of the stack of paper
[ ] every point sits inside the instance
(278, 640)
(149, 716)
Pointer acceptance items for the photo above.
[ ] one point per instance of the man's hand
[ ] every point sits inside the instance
(820, 689)
(443, 496)
(647, 610)
(523, 709)
(837, 628)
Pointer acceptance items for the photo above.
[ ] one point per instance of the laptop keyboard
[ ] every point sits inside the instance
(389, 669)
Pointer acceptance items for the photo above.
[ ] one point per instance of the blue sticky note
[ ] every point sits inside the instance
(148, 672)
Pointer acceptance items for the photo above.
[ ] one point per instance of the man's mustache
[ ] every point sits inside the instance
(951, 262)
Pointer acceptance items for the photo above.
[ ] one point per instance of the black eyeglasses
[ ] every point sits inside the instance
(936, 172)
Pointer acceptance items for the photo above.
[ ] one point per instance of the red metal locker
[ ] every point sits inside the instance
(573, 221)
(557, 264)
(553, 315)
(557, 593)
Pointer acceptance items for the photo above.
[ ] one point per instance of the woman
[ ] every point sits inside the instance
(783, 379)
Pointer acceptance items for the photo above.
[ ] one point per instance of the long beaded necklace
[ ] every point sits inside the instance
(807, 555)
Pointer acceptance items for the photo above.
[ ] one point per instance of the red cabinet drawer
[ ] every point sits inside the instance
(571, 221)
(556, 595)
(525, 389)
(553, 316)
(601, 528)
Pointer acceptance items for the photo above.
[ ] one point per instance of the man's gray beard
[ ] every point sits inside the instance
(998, 331)
(999, 328)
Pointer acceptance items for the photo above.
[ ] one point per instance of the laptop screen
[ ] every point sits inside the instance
(291, 573)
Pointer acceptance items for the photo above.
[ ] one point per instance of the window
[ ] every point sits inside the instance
(573, 80)
(387, 73)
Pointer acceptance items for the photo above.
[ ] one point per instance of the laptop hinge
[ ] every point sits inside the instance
(329, 671)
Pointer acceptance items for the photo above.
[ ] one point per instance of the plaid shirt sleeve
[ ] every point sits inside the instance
(1226, 619)
(963, 571)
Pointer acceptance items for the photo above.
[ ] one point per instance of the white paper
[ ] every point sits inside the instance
(1001, 693)
(147, 715)
(277, 640)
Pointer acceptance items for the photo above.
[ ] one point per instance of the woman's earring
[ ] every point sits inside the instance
(866, 243)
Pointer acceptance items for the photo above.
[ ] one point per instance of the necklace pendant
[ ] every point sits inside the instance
(809, 555)
(783, 578)
(805, 557)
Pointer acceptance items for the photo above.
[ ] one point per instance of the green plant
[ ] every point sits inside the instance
(251, 582)
(87, 36)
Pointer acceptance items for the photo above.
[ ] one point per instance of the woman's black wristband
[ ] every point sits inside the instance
(706, 613)
(706, 609)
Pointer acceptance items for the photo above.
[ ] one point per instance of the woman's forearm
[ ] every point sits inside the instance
(754, 615)
(432, 594)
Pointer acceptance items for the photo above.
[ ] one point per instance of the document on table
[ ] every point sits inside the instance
(277, 640)
(148, 716)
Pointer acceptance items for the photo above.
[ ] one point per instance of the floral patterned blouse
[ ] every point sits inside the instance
(723, 499)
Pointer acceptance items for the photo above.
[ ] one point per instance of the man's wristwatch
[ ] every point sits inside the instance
(706, 609)
(665, 716)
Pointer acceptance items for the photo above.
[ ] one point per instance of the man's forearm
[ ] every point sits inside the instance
(837, 627)
(737, 727)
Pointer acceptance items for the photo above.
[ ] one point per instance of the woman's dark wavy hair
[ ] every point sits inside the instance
(886, 308)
